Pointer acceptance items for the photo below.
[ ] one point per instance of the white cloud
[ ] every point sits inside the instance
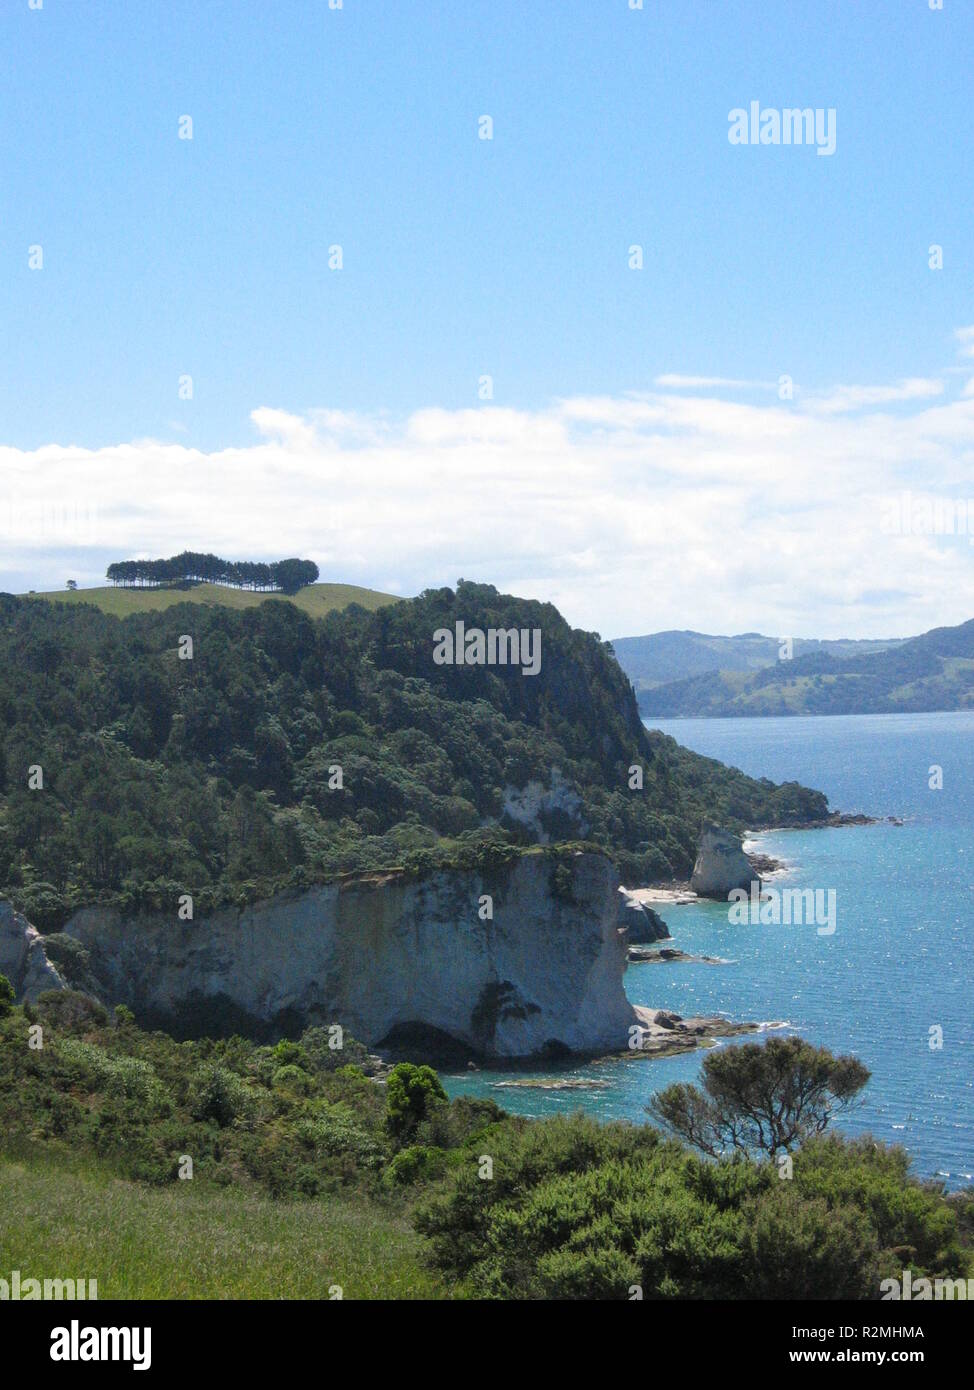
(679, 382)
(846, 398)
(291, 430)
(631, 513)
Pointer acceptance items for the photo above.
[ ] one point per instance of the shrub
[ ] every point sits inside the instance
(43, 906)
(563, 883)
(418, 1164)
(71, 959)
(803, 1248)
(335, 1130)
(322, 1057)
(411, 1093)
(120, 1077)
(575, 1210)
(220, 1095)
(286, 1053)
(70, 1011)
(908, 1217)
(6, 995)
(292, 1078)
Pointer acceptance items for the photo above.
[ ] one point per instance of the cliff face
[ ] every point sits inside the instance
(22, 956)
(721, 864)
(390, 959)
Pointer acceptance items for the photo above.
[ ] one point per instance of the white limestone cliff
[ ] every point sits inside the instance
(388, 956)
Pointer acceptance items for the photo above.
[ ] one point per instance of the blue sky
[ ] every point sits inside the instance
(463, 257)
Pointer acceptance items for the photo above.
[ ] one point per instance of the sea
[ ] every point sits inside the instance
(893, 984)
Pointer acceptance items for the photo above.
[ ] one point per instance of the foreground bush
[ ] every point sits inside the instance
(578, 1210)
(510, 1208)
(412, 1093)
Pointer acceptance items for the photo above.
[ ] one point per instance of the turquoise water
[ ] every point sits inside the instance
(900, 962)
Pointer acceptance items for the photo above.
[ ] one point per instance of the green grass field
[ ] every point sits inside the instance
(316, 600)
(67, 1220)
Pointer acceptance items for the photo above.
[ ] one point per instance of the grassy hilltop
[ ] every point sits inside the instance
(316, 600)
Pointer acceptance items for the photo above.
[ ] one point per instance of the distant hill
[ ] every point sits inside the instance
(932, 672)
(675, 655)
(315, 599)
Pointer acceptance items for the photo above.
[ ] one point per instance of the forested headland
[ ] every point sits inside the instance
(215, 774)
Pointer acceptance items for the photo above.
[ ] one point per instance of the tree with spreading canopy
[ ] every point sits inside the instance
(768, 1097)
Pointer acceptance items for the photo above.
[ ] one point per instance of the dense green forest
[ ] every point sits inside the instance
(215, 773)
(932, 672)
(300, 1136)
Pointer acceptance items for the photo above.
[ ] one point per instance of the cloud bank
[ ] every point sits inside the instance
(631, 513)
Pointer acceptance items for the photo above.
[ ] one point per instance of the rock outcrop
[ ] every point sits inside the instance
(23, 959)
(641, 922)
(721, 864)
(549, 813)
(662, 1032)
(395, 960)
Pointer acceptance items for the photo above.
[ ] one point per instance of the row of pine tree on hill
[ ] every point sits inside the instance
(286, 576)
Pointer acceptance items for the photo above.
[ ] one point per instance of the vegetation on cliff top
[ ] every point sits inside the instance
(216, 775)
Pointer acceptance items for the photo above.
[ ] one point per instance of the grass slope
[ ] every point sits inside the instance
(316, 599)
(189, 1241)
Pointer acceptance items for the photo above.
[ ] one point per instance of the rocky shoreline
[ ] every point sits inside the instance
(645, 955)
(722, 864)
(761, 865)
(664, 1032)
(765, 865)
(836, 819)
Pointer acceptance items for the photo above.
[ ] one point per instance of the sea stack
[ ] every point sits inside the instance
(721, 864)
